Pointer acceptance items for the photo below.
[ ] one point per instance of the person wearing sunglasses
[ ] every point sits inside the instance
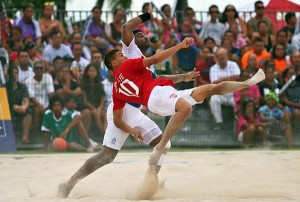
(48, 24)
(252, 23)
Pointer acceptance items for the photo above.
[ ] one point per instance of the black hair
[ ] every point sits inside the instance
(244, 106)
(289, 16)
(212, 6)
(116, 10)
(76, 43)
(262, 21)
(96, 7)
(109, 57)
(209, 39)
(223, 17)
(164, 6)
(258, 2)
(53, 99)
(57, 58)
(27, 5)
(258, 39)
(18, 28)
(285, 32)
(188, 9)
(54, 32)
(274, 49)
(145, 5)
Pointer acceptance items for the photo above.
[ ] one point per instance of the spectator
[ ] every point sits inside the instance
(20, 109)
(95, 32)
(32, 51)
(40, 88)
(259, 16)
(247, 93)
(12, 54)
(59, 123)
(190, 14)
(231, 56)
(270, 84)
(224, 70)
(25, 70)
(238, 41)
(153, 30)
(279, 57)
(230, 16)
(76, 38)
(93, 94)
(248, 125)
(291, 21)
(48, 24)
(97, 59)
(252, 64)
(115, 28)
(259, 50)
(228, 35)
(211, 44)
(203, 66)
(188, 30)
(79, 63)
(273, 114)
(296, 41)
(57, 66)
(17, 38)
(108, 86)
(5, 27)
(268, 39)
(213, 28)
(30, 28)
(169, 24)
(55, 49)
(282, 38)
(295, 59)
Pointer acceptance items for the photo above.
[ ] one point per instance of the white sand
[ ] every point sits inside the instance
(191, 176)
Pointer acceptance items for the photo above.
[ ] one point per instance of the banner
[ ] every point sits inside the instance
(7, 137)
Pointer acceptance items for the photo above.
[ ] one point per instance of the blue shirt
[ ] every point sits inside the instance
(274, 114)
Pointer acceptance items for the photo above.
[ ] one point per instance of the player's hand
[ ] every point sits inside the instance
(137, 135)
(187, 42)
(191, 75)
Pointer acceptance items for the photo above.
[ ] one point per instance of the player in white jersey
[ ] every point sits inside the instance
(134, 43)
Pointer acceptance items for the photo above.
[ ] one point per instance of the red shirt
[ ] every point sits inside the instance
(134, 83)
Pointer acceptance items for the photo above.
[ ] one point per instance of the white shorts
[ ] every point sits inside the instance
(114, 137)
(163, 99)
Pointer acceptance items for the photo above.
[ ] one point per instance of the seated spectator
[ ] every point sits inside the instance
(264, 33)
(55, 49)
(75, 37)
(231, 56)
(79, 63)
(252, 64)
(248, 125)
(247, 93)
(279, 57)
(295, 60)
(97, 59)
(229, 36)
(213, 28)
(30, 27)
(20, 109)
(57, 66)
(211, 44)
(230, 16)
(203, 66)
(273, 114)
(61, 123)
(94, 95)
(238, 41)
(296, 41)
(48, 24)
(259, 50)
(291, 21)
(114, 35)
(224, 70)
(188, 30)
(32, 51)
(169, 25)
(190, 14)
(95, 32)
(25, 70)
(282, 38)
(17, 38)
(12, 54)
(40, 88)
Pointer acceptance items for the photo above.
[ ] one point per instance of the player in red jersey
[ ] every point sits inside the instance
(133, 83)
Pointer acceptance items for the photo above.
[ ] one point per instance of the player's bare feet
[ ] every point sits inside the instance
(64, 190)
(155, 156)
(258, 77)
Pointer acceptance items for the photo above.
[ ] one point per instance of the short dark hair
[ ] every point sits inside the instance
(258, 2)
(28, 5)
(57, 58)
(188, 9)
(96, 7)
(109, 57)
(213, 6)
(262, 21)
(289, 16)
(54, 32)
(53, 99)
(209, 39)
(258, 39)
(145, 5)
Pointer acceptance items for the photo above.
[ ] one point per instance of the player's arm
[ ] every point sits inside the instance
(176, 78)
(165, 54)
(128, 27)
(119, 123)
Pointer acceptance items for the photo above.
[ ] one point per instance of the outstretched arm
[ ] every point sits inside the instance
(163, 55)
(176, 78)
(128, 27)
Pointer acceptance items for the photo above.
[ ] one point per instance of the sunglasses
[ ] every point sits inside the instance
(230, 9)
(49, 4)
(212, 12)
(260, 8)
(39, 68)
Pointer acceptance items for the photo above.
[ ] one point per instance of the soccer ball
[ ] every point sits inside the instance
(59, 144)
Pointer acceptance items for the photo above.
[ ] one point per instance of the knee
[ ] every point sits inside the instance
(251, 128)
(296, 114)
(186, 110)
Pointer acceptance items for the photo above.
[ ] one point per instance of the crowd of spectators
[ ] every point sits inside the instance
(68, 68)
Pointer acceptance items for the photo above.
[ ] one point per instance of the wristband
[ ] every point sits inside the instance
(145, 16)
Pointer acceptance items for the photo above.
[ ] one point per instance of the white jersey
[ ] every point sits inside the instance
(25, 74)
(132, 51)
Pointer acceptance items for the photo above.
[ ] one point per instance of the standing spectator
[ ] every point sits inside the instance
(55, 49)
(230, 16)
(248, 125)
(115, 28)
(259, 15)
(61, 123)
(272, 113)
(188, 30)
(40, 88)
(224, 70)
(95, 32)
(21, 112)
(203, 66)
(79, 63)
(25, 70)
(93, 94)
(259, 50)
(213, 28)
(30, 27)
(190, 14)
(48, 24)
(268, 39)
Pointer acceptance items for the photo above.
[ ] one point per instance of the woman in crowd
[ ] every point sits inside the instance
(115, 28)
(265, 35)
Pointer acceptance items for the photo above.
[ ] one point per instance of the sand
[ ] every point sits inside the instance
(190, 176)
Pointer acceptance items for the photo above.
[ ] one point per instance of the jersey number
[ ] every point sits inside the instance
(133, 90)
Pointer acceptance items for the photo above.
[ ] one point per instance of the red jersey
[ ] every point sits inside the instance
(134, 83)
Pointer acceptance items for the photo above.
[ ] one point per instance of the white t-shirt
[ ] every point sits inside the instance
(25, 74)
(215, 72)
(40, 90)
(81, 65)
(296, 41)
(50, 53)
(132, 51)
